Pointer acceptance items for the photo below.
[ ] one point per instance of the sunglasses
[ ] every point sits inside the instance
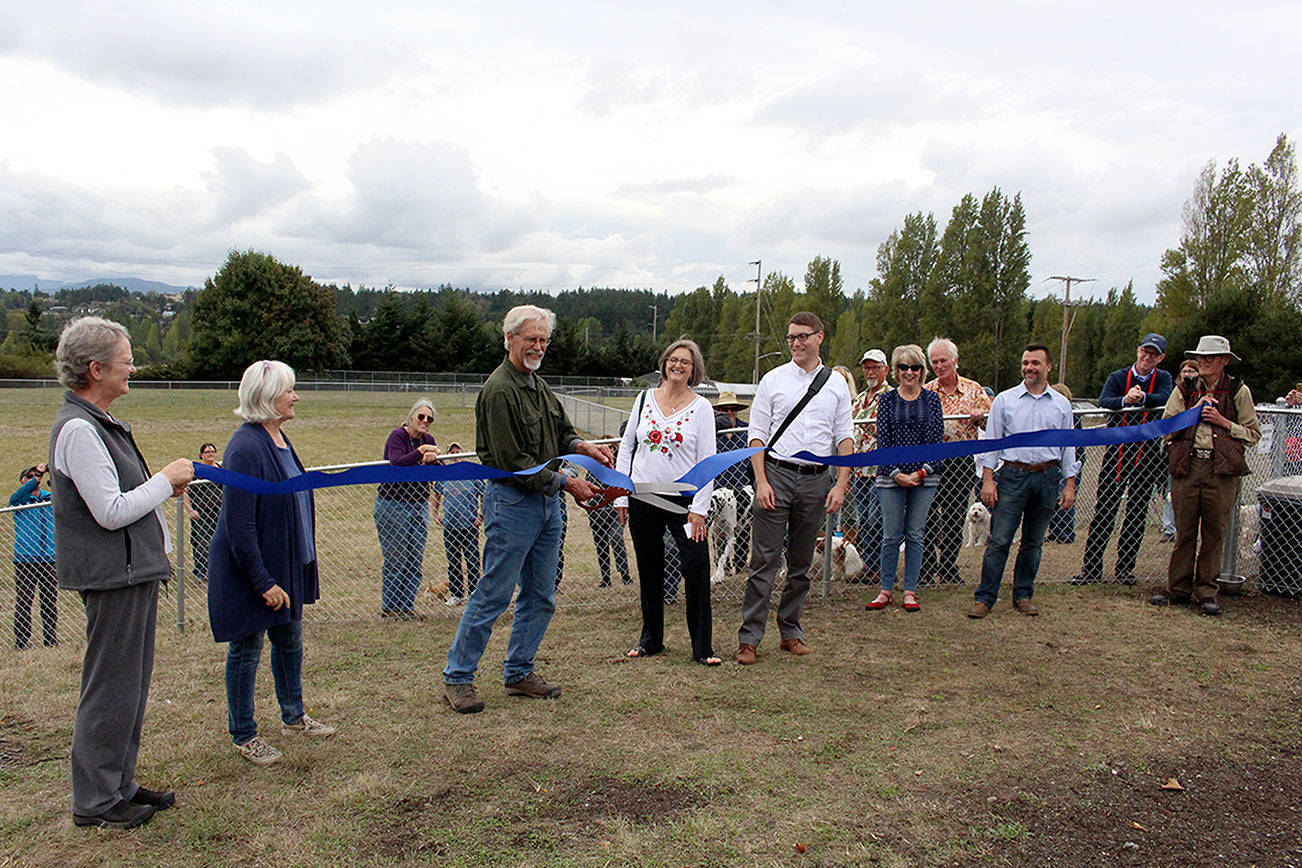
(904, 367)
(421, 417)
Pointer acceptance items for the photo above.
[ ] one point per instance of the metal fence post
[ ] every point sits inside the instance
(827, 553)
(180, 565)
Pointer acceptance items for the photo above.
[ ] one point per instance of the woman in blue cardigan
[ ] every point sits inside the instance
(262, 564)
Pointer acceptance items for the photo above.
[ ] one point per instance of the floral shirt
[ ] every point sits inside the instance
(968, 398)
(661, 447)
(863, 410)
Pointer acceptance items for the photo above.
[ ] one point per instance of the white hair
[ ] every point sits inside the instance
(263, 382)
(945, 344)
(84, 340)
(422, 401)
(517, 316)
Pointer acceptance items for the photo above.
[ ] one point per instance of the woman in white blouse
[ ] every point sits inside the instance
(670, 430)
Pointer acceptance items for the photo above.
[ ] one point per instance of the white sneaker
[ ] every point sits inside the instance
(308, 726)
(258, 752)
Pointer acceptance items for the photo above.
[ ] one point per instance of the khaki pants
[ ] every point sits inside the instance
(1202, 503)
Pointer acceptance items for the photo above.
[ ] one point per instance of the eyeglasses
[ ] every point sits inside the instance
(421, 417)
(542, 342)
(800, 338)
(904, 367)
(678, 363)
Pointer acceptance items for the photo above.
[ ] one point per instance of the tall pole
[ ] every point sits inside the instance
(1066, 321)
(759, 273)
(655, 318)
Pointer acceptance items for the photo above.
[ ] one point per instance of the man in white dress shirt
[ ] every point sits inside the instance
(1025, 491)
(791, 495)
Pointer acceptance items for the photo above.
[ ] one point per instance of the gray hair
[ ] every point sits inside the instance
(422, 401)
(84, 340)
(698, 361)
(943, 343)
(517, 316)
(910, 354)
(263, 382)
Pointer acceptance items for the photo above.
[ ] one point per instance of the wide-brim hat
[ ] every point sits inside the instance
(728, 401)
(1213, 345)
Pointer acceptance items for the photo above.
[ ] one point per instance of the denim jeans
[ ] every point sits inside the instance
(1029, 499)
(904, 516)
(522, 534)
(286, 671)
(402, 528)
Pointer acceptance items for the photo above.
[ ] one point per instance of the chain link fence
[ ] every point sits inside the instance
(429, 561)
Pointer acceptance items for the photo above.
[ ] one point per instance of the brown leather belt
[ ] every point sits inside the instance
(1032, 468)
(1202, 453)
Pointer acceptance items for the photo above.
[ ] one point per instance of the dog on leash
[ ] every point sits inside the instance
(977, 525)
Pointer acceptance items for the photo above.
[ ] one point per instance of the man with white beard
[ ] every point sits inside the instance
(863, 521)
(518, 424)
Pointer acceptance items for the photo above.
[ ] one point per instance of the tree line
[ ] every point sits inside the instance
(1235, 271)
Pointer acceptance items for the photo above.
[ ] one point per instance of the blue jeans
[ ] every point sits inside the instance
(522, 534)
(286, 670)
(1031, 500)
(402, 528)
(904, 516)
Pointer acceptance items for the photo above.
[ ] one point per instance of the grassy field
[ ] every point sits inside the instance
(922, 739)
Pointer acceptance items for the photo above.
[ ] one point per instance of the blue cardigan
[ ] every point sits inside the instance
(255, 545)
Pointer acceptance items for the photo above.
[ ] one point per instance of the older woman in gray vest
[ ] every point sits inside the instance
(110, 546)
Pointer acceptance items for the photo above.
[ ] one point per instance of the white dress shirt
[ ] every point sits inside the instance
(1015, 411)
(823, 423)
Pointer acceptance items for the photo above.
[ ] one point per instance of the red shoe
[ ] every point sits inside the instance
(880, 602)
(911, 602)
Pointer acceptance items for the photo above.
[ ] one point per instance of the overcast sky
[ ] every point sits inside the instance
(552, 145)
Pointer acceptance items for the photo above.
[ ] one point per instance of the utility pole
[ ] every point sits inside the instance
(655, 317)
(759, 274)
(1067, 318)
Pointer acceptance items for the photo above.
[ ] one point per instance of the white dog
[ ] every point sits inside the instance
(845, 560)
(723, 522)
(977, 525)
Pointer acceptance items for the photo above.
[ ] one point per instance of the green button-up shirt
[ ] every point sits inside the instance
(520, 424)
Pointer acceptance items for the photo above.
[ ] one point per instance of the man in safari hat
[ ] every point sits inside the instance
(1206, 461)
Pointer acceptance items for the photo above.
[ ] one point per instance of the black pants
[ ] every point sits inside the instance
(608, 538)
(1136, 483)
(944, 535)
(28, 577)
(462, 544)
(647, 525)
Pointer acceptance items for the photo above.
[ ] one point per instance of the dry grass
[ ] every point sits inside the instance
(870, 751)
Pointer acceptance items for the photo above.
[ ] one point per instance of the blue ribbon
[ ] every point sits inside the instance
(707, 469)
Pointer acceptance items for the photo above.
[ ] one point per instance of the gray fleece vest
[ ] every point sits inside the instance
(88, 557)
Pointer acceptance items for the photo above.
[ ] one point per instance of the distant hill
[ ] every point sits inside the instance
(49, 287)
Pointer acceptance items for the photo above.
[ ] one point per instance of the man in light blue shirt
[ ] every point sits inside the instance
(1025, 490)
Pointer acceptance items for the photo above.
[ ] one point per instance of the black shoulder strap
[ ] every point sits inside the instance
(637, 417)
(814, 389)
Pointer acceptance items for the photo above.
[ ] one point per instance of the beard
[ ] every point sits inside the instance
(533, 361)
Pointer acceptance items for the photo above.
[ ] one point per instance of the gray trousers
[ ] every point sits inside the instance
(114, 687)
(796, 518)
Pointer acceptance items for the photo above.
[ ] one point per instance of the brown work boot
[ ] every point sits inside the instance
(978, 610)
(796, 646)
(462, 698)
(745, 654)
(532, 686)
(1025, 606)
